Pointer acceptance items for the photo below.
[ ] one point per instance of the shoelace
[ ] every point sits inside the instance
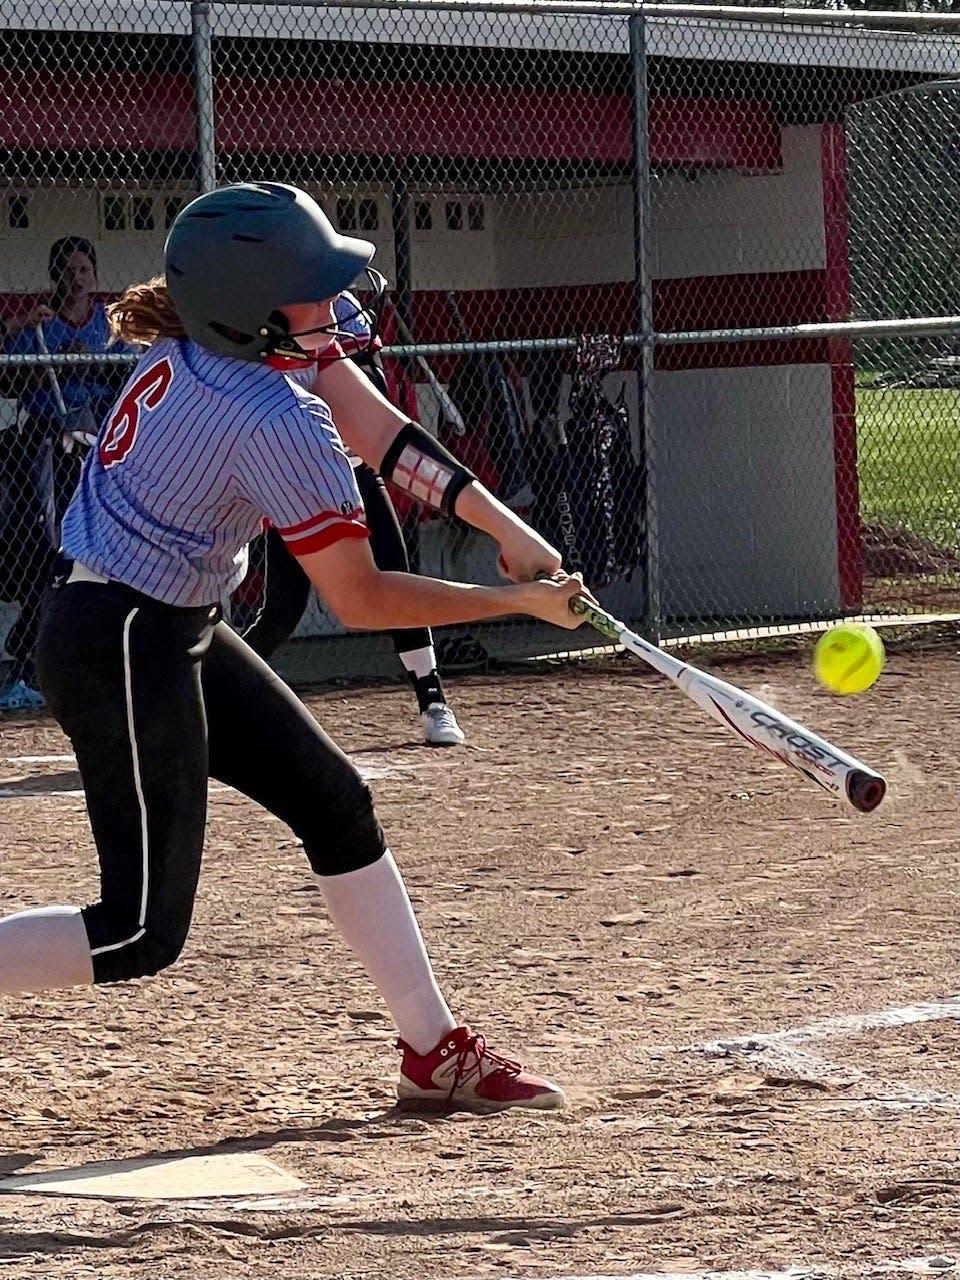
(477, 1045)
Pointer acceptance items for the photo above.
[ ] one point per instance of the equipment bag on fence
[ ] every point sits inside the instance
(588, 488)
(485, 389)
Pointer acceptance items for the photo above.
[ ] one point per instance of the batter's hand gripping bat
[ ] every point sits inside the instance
(835, 772)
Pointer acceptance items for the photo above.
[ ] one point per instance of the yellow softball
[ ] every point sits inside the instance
(848, 658)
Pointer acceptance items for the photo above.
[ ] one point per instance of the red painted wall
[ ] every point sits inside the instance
(833, 156)
(156, 113)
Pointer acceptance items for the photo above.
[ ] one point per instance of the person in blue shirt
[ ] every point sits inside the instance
(40, 466)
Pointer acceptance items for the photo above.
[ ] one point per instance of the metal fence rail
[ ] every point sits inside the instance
(759, 208)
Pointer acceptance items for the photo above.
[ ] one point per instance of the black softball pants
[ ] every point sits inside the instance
(155, 700)
(287, 588)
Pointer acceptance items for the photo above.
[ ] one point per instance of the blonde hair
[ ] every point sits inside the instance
(145, 313)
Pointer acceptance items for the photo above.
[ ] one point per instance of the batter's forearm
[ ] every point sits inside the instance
(394, 601)
(404, 453)
(366, 598)
(478, 507)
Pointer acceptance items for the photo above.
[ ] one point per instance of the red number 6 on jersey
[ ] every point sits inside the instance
(145, 393)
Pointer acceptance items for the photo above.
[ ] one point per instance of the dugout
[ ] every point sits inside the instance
(492, 160)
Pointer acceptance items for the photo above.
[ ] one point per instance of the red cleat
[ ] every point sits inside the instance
(462, 1073)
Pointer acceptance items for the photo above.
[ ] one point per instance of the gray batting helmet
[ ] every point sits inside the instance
(235, 255)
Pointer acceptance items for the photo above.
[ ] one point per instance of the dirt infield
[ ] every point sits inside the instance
(610, 885)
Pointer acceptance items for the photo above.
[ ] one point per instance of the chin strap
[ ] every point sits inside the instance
(278, 342)
(420, 466)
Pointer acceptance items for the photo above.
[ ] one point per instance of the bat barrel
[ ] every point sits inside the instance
(761, 726)
(865, 790)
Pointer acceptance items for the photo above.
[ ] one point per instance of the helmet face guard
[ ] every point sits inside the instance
(282, 342)
(371, 312)
(235, 256)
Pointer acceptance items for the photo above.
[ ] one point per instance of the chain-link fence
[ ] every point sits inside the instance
(638, 258)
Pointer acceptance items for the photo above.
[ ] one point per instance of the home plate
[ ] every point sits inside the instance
(192, 1178)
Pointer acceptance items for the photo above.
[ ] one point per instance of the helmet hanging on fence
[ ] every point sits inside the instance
(236, 255)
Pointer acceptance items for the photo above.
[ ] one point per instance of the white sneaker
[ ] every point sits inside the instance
(440, 728)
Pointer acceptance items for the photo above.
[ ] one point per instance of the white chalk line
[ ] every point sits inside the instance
(918, 1266)
(778, 1052)
(878, 1095)
(845, 1024)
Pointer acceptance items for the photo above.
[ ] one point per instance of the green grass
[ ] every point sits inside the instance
(908, 447)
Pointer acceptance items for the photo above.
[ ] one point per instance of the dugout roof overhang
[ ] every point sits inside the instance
(721, 39)
(454, 96)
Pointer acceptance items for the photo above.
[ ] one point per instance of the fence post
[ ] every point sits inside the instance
(403, 251)
(643, 312)
(202, 49)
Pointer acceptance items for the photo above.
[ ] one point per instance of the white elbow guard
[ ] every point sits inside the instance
(420, 466)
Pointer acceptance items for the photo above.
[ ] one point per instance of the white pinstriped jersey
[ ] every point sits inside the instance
(197, 452)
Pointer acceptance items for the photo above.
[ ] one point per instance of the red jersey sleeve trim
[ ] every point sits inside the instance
(320, 530)
(322, 517)
(327, 537)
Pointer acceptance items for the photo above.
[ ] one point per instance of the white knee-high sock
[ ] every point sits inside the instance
(372, 911)
(43, 949)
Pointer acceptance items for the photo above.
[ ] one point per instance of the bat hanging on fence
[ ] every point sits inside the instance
(76, 427)
(501, 412)
(840, 775)
(444, 401)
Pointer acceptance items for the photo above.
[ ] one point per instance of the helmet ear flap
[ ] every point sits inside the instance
(275, 326)
(232, 335)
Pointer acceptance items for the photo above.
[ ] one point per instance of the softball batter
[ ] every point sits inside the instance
(157, 693)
